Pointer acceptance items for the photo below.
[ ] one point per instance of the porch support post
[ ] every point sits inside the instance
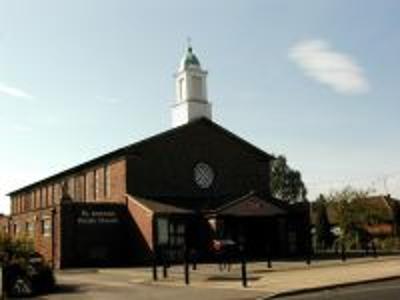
(186, 264)
(155, 277)
(243, 263)
(269, 262)
(343, 252)
(164, 261)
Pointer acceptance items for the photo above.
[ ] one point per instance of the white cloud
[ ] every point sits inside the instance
(337, 70)
(14, 92)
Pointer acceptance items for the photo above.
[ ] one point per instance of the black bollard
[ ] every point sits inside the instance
(308, 256)
(375, 254)
(194, 260)
(186, 266)
(269, 262)
(155, 277)
(343, 253)
(165, 265)
(309, 247)
(244, 269)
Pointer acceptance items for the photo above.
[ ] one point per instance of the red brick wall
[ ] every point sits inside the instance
(44, 244)
(32, 205)
(143, 219)
(118, 181)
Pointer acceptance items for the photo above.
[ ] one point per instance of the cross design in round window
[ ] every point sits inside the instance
(203, 175)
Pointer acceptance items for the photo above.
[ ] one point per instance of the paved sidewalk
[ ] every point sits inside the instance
(283, 278)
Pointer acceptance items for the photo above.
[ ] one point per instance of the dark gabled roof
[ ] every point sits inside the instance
(251, 195)
(252, 204)
(130, 150)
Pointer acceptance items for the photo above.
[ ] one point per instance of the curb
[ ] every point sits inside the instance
(329, 287)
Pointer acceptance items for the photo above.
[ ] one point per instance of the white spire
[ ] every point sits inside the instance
(191, 91)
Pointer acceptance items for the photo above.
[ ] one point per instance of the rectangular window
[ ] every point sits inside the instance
(44, 197)
(26, 202)
(181, 89)
(56, 192)
(30, 199)
(49, 195)
(71, 187)
(107, 181)
(196, 87)
(45, 225)
(16, 229)
(40, 197)
(37, 205)
(162, 231)
(53, 194)
(85, 195)
(96, 178)
(33, 200)
(77, 184)
(16, 204)
(21, 204)
(29, 228)
(24, 208)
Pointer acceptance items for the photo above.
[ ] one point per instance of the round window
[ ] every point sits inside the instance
(203, 175)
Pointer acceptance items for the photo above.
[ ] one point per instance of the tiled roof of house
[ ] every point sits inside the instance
(385, 204)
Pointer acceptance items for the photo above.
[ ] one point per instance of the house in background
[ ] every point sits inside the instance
(383, 209)
(388, 208)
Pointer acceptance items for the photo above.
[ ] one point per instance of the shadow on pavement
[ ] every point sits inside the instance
(65, 289)
(231, 278)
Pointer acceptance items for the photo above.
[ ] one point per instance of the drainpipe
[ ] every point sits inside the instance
(53, 237)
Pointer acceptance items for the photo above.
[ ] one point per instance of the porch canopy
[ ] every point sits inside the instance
(251, 205)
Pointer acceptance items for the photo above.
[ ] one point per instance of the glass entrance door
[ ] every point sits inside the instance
(176, 239)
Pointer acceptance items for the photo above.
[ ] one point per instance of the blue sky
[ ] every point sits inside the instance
(317, 81)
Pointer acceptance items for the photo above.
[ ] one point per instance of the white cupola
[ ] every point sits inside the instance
(191, 91)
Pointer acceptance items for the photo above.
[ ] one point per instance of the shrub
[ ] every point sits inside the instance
(25, 272)
(389, 244)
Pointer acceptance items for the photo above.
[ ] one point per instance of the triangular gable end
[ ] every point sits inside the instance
(250, 206)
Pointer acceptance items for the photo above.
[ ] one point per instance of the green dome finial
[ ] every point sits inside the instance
(189, 59)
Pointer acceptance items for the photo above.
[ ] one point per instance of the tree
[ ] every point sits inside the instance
(323, 235)
(351, 216)
(286, 183)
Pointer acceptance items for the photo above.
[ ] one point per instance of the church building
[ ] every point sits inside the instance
(187, 186)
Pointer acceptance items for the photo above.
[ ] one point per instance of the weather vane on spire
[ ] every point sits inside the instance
(189, 42)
